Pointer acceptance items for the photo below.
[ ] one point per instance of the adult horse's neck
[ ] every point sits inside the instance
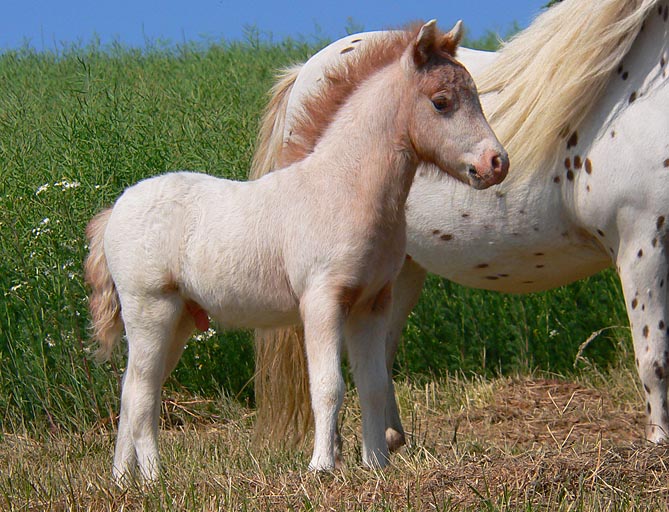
(366, 149)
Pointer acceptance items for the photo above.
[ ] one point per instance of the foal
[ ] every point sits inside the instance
(320, 242)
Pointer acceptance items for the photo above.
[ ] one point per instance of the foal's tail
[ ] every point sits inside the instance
(103, 301)
(281, 380)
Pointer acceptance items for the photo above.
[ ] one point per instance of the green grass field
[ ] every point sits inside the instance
(78, 128)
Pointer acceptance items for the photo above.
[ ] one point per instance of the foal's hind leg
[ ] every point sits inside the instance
(150, 324)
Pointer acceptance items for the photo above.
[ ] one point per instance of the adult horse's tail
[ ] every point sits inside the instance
(281, 380)
(103, 301)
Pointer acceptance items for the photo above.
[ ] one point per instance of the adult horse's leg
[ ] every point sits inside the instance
(323, 334)
(406, 293)
(365, 344)
(643, 265)
(149, 328)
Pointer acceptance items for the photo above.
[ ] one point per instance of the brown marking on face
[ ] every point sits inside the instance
(383, 299)
(573, 140)
(588, 166)
(347, 296)
(446, 237)
(578, 163)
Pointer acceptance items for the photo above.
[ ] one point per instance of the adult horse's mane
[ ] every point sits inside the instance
(548, 76)
(340, 81)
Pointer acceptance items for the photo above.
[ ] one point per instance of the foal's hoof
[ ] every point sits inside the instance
(394, 439)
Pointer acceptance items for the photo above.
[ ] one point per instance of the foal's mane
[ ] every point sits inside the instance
(339, 82)
(549, 75)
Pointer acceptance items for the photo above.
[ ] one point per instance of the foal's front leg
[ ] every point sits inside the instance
(322, 316)
(366, 332)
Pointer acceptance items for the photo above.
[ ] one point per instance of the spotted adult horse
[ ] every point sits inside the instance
(580, 99)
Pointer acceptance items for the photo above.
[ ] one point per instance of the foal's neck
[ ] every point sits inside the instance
(367, 148)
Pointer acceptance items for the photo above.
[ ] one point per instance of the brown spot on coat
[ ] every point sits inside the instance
(666, 162)
(634, 303)
(346, 50)
(625, 75)
(645, 331)
(660, 222)
(632, 97)
(578, 163)
(347, 296)
(573, 140)
(645, 386)
(567, 163)
(588, 166)
(436, 231)
(601, 233)
(383, 299)
(556, 179)
(492, 278)
(661, 325)
(446, 237)
(640, 253)
(482, 265)
(570, 175)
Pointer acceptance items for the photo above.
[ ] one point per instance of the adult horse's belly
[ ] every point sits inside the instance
(504, 240)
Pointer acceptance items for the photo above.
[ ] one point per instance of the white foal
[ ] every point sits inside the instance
(320, 242)
(580, 99)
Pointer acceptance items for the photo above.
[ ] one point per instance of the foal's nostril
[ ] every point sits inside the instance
(496, 163)
(472, 172)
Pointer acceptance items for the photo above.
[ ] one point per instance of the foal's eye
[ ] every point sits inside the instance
(442, 103)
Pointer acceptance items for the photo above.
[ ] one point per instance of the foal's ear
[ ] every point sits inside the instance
(425, 43)
(451, 41)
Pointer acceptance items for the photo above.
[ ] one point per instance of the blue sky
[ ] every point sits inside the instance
(47, 24)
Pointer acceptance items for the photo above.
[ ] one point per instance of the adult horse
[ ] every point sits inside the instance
(581, 102)
(319, 242)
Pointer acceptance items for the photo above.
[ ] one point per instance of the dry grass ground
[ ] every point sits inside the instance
(531, 443)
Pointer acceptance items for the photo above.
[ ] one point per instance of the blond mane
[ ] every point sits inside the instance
(548, 76)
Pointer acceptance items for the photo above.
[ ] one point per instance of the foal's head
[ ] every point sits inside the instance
(447, 126)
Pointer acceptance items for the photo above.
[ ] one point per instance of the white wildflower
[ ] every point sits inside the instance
(42, 188)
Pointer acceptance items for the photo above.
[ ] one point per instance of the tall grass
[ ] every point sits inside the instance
(79, 127)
